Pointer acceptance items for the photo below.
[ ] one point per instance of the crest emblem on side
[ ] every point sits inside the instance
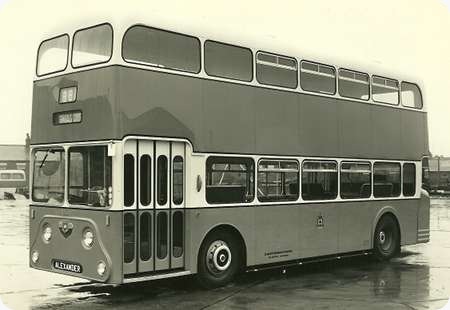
(320, 222)
(65, 228)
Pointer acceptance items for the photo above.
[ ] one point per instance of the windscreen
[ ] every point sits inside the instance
(48, 176)
(90, 176)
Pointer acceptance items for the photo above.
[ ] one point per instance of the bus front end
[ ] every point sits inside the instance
(85, 240)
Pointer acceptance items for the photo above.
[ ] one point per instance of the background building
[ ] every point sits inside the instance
(439, 173)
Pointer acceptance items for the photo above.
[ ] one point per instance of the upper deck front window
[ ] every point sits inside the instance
(48, 176)
(92, 46)
(53, 55)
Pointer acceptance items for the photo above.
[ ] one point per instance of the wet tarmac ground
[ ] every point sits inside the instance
(418, 279)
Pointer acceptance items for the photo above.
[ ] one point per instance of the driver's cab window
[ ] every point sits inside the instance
(89, 176)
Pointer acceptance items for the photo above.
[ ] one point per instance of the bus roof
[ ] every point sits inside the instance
(247, 33)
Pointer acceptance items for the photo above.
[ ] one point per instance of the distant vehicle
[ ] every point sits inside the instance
(11, 181)
(159, 154)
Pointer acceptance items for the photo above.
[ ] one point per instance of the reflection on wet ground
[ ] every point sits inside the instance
(418, 279)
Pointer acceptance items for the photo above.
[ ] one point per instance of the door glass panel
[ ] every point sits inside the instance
(177, 180)
(128, 238)
(177, 234)
(161, 245)
(146, 181)
(128, 180)
(162, 180)
(146, 236)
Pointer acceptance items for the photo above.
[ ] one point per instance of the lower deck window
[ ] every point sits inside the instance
(356, 180)
(229, 180)
(409, 179)
(278, 180)
(386, 179)
(319, 180)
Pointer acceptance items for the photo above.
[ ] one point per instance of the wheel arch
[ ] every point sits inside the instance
(386, 211)
(231, 229)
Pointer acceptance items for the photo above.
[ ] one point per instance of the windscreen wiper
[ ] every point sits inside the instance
(45, 157)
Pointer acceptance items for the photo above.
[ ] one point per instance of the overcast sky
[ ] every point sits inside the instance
(411, 36)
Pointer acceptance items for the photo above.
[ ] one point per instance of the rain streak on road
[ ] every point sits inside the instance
(418, 279)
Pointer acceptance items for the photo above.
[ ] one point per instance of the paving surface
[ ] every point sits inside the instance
(418, 279)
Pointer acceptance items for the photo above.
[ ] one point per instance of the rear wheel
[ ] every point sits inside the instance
(386, 239)
(219, 259)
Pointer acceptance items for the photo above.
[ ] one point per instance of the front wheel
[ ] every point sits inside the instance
(386, 243)
(219, 260)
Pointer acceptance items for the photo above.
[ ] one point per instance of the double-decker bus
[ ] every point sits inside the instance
(158, 151)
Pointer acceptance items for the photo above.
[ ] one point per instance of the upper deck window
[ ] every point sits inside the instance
(92, 45)
(228, 61)
(385, 90)
(411, 96)
(276, 70)
(317, 77)
(353, 84)
(159, 48)
(53, 55)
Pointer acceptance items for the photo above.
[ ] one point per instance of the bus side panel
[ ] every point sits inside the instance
(276, 234)
(407, 210)
(318, 229)
(406, 213)
(423, 218)
(202, 220)
(355, 223)
(169, 105)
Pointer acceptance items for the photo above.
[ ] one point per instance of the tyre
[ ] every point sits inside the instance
(386, 243)
(219, 259)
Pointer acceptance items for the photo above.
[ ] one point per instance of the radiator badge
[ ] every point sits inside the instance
(65, 228)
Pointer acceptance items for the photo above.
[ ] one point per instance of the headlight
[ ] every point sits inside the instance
(88, 238)
(35, 256)
(101, 268)
(47, 235)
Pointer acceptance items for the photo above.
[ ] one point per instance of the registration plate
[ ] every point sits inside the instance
(67, 266)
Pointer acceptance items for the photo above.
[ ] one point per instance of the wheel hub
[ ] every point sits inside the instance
(382, 237)
(218, 257)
